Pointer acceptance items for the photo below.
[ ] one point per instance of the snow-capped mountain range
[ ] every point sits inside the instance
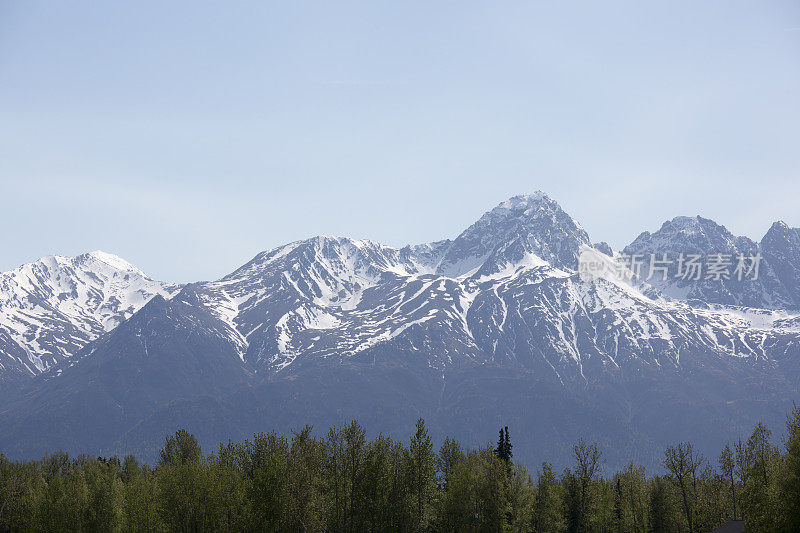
(448, 328)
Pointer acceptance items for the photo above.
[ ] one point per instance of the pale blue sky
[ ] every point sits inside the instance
(186, 137)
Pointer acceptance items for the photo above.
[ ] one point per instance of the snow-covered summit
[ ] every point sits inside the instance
(52, 306)
(528, 224)
(114, 261)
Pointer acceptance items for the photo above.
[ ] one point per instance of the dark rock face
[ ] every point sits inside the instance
(493, 328)
(781, 250)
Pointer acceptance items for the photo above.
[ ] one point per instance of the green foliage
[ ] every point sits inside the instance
(548, 515)
(759, 491)
(181, 448)
(788, 493)
(728, 467)
(477, 493)
(581, 490)
(346, 482)
(663, 510)
(422, 474)
(630, 499)
(450, 454)
(683, 463)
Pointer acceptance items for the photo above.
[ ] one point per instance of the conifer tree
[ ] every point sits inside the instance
(501, 445)
(503, 450)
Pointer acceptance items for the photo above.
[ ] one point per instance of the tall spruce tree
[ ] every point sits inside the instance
(501, 445)
(503, 450)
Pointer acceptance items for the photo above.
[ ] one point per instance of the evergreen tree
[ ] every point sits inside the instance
(503, 450)
(500, 451)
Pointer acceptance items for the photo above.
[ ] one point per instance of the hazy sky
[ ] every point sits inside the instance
(186, 137)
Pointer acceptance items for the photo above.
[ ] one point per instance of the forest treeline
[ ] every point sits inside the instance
(346, 482)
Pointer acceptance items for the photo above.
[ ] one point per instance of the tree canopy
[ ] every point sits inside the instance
(345, 482)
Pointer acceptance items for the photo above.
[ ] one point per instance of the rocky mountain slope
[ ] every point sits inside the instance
(776, 285)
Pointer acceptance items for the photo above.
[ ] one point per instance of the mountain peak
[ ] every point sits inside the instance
(691, 225)
(779, 229)
(781, 235)
(525, 200)
(113, 261)
(526, 206)
(781, 249)
(57, 304)
(529, 224)
(689, 234)
(57, 261)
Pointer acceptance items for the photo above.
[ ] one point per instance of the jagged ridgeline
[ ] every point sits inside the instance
(345, 481)
(496, 325)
